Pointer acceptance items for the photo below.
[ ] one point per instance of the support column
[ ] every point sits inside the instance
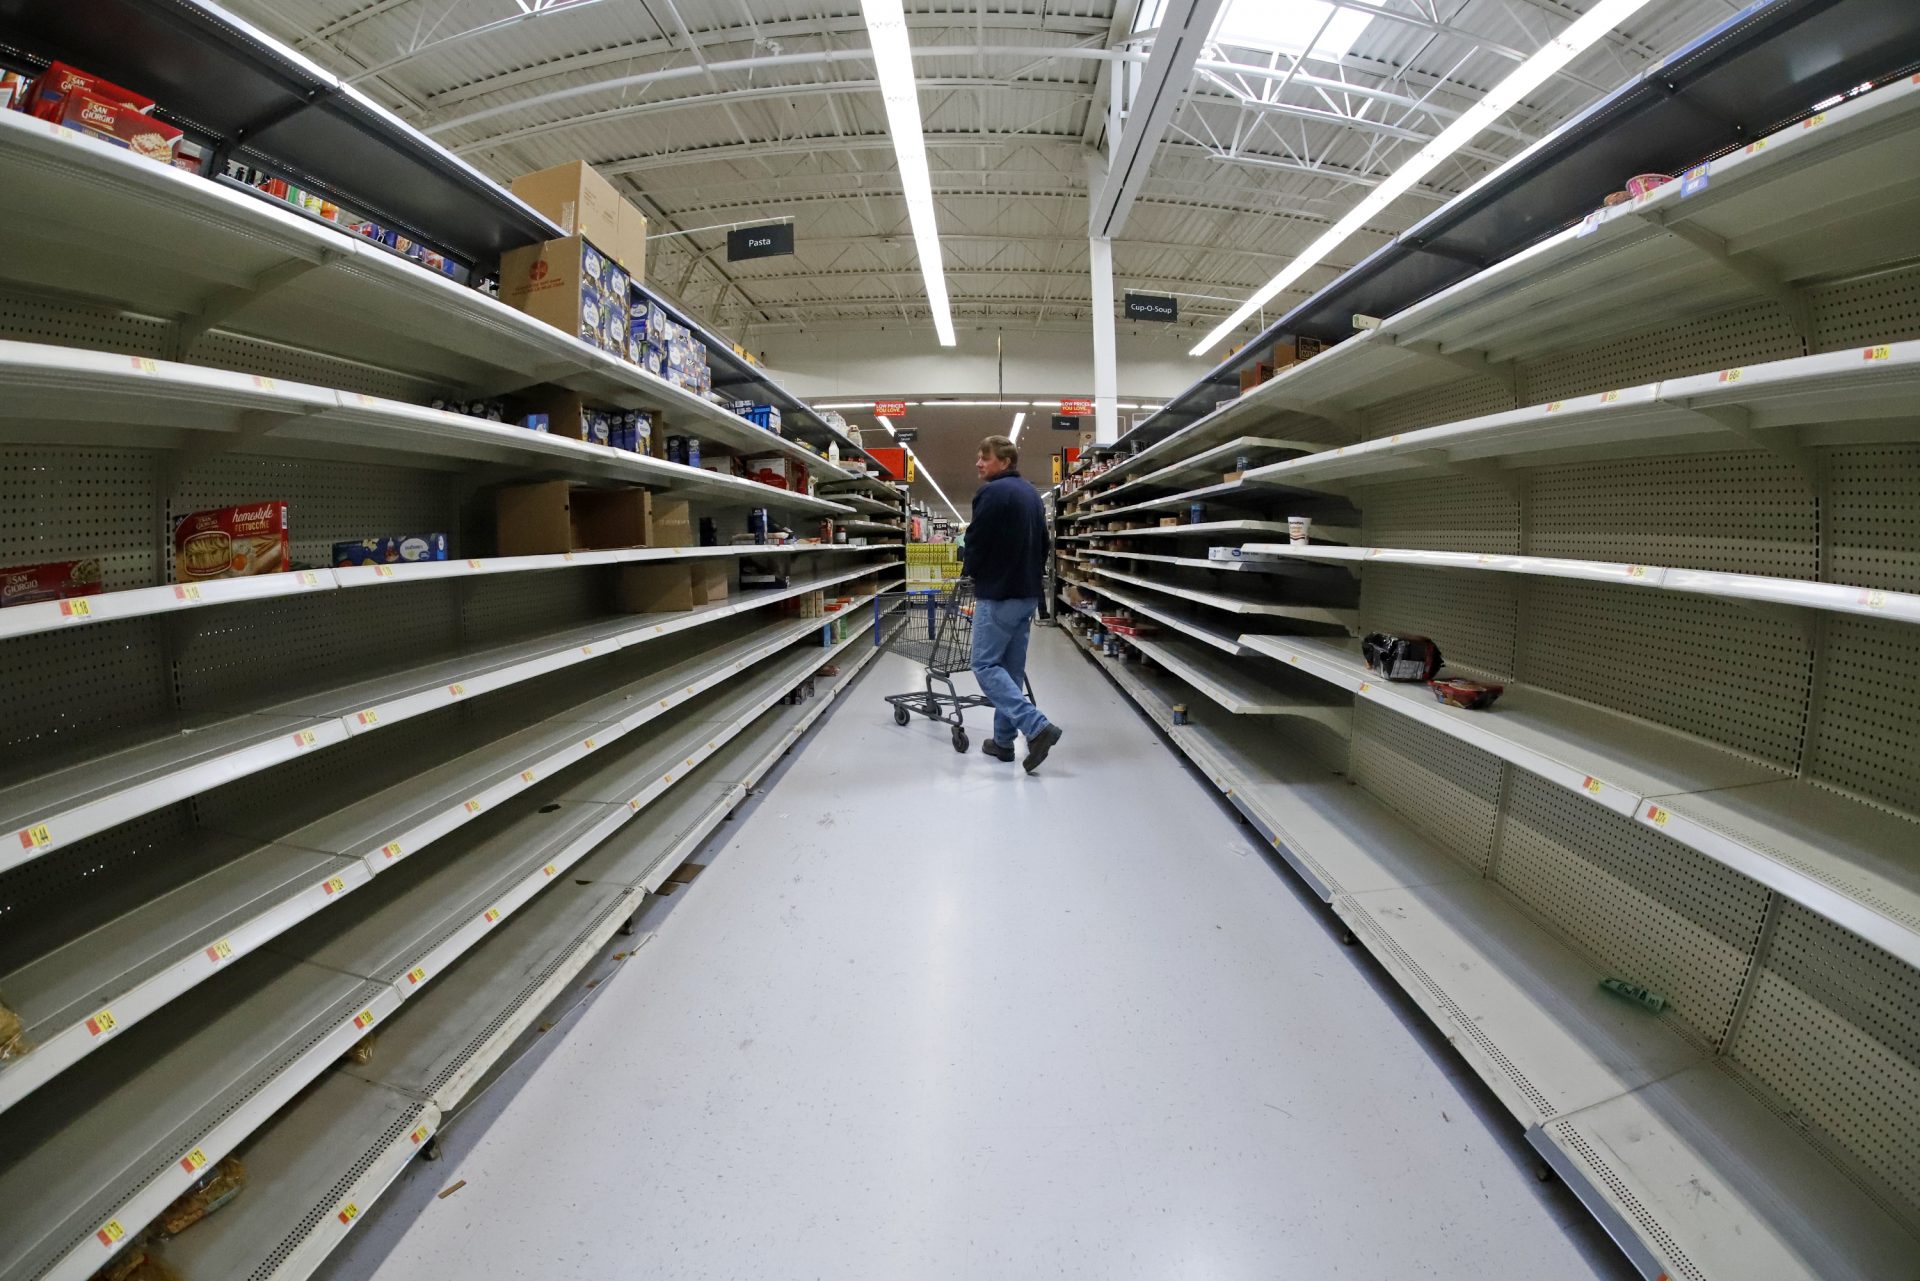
(1106, 373)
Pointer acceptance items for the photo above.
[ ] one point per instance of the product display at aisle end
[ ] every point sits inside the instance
(1588, 611)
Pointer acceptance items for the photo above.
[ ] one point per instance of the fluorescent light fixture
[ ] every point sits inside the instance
(1285, 26)
(893, 63)
(1019, 421)
(1528, 76)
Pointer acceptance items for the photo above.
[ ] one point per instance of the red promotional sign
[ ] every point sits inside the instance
(1076, 408)
(889, 409)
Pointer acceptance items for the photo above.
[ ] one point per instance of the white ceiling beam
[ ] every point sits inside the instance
(1182, 35)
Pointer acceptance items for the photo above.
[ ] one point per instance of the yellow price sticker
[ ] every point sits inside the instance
(305, 738)
(1730, 375)
(550, 869)
(634, 804)
(370, 717)
(348, 1213)
(363, 1019)
(1365, 686)
(392, 850)
(194, 1161)
(1814, 121)
(333, 885)
(145, 365)
(473, 806)
(1553, 407)
(493, 914)
(1759, 144)
(33, 838)
(188, 592)
(419, 1135)
(309, 579)
(264, 384)
(220, 951)
(417, 975)
(1656, 816)
(75, 609)
(1878, 353)
(1591, 784)
(110, 1233)
(383, 571)
(527, 776)
(457, 690)
(1874, 600)
(591, 745)
(102, 1023)
(1636, 571)
(473, 564)
(587, 650)
(1608, 397)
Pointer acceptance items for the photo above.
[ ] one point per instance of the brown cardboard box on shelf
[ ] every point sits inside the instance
(1166, 521)
(575, 196)
(570, 285)
(630, 242)
(552, 517)
(1229, 477)
(711, 581)
(656, 588)
(1291, 351)
(673, 524)
(566, 412)
(1253, 376)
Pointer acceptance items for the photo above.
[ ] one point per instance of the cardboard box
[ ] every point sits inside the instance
(1253, 376)
(571, 285)
(1231, 476)
(654, 588)
(710, 580)
(59, 80)
(1292, 351)
(579, 199)
(230, 542)
(778, 471)
(673, 524)
(554, 516)
(120, 123)
(630, 243)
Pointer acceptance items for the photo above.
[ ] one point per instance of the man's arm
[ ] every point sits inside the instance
(982, 533)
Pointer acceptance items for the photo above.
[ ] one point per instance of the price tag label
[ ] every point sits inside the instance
(35, 837)
(362, 398)
(419, 1135)
(188, 592)
(1608, 397)
(663, 702)
(102, 1023)
(264, 384)
(1730, 375)
(1873, 600)
(1656, 816)
(1365, 686)
(1755, 147)
(666, 778)
(369, 717)
(383, 571)
(220, 951)
(417, 975)
(75, 609)
(1814, 121)
(1636, 571)
(591, 745)
(348, 1213)
(1878, 353)
(309, 579)
(1554, 407)
(145, 365)
(527, 776)
(550, 869)
(1696, 180)
(587, 650)
(473, 564)
(1591, 785)
(392, 850)
(634, 804)
(493, 914)
(110, 1233)
(473, 806)
(333, 885)
(457, 690)
(364, 1019)
(305, 738)
(194, 1161)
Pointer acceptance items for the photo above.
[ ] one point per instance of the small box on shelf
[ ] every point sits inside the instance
(572, 285)
(553, 517)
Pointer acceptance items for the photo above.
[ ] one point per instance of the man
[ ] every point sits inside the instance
(1005, 555)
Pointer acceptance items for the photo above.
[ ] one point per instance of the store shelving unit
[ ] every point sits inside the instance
(1651, 475)
(252, 820)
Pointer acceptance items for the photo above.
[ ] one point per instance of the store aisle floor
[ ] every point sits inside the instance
(928, 1017)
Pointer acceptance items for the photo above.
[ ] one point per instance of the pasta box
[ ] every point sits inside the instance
(391, 549)
(231, 542)
(119, 123)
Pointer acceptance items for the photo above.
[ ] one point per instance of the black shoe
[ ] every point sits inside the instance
(1039, 745)
(999, 751)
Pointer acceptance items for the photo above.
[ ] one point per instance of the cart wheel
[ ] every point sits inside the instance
(900, 716)
(959, 739)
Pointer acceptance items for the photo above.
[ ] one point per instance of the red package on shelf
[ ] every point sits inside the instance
(56, 580)
(120, 124)
(51, 91)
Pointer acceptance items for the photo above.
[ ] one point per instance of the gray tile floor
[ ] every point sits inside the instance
(925, 1016)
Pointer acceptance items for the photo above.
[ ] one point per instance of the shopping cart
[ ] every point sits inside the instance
(939, 634)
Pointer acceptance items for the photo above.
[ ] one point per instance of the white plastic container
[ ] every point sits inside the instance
(1298, 529)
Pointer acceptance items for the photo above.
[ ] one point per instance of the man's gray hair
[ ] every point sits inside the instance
(1001, 448)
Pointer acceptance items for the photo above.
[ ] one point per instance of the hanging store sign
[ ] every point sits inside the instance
(889, 409)
(906, 435)
(1153, 307)
(770, 241)
(1066, 422)
(1076, 408)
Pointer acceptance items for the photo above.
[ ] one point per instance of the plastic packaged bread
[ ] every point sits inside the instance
(219, 1186)
(231, 542)
(13, 1035)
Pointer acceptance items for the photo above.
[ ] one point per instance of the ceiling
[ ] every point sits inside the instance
(715, 112)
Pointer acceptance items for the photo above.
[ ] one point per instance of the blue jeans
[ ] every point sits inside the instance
(1000, 631)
